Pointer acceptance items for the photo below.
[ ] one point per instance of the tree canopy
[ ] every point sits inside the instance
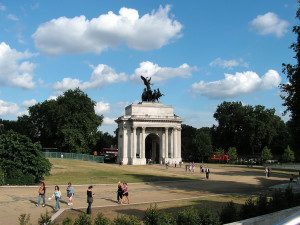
(248, 128)
(21, 161)
(68, 123)
(291, 89)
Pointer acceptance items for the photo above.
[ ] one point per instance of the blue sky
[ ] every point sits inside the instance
(199, 53)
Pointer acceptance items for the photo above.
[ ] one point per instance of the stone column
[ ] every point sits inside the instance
(179, 143)
(143, 143)
(175, 136)
(124, 142)
(167, 142)
(133, 142)
(163, 145)
(172, 143)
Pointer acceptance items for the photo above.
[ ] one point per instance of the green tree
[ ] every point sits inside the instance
(68, 123)
(248, 128)
(266, 154)
(22, 161)
(187, 134)
(291, 89)
(202, 146)
(288, 155)
(232, 153)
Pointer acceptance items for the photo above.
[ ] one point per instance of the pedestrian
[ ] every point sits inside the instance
(41, 194)
(269, 171)
(70, 194)
(56, 195)
(180, 164)
(119, 193)
(90, 199)
(125, 192)
(207, 173)
(193, 167)
(266, 172)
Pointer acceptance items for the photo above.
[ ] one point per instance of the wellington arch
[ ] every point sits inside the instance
(149, 131)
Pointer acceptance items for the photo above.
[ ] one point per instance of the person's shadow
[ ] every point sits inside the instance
(35, 202)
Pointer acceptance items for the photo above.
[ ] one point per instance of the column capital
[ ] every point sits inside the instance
(143, 128)
(166, 128)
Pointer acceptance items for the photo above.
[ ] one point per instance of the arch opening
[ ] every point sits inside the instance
(152, 147)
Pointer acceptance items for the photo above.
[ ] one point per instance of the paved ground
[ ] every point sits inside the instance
(17, 200)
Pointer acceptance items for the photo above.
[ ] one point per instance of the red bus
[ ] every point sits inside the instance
(222, 158)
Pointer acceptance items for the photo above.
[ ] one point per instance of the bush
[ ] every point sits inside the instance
(277, 201)
(266, 154)
(67, 221)
(155, 217)
(207, 217)
(232, 153)
(101, 220)
(262, 205)
(288, 155)
(188, 217)
(45, 219)
(20, 157)
(127, 220)
(18, 177)
(83, 219)
(2, 177)
(229, 213)
(24, 219)
(248, 210)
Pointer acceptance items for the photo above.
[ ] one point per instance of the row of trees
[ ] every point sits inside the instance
(68, 123)
(247, 128)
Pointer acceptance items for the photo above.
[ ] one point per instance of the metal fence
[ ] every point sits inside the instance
(65, 155)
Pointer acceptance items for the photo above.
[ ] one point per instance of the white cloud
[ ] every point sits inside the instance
(229, 64)
(236, 84)
(8, 108)
(109, 121)
(269, 23)
(28, 103)
(52, 97)
(101, 75)
(102, 107)
(12, 17)
(150, 31)
(14, 71)
(157, 73)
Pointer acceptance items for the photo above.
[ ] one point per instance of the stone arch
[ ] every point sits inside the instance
(152, 147)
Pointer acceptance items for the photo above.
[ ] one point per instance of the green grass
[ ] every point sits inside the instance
(84, 172)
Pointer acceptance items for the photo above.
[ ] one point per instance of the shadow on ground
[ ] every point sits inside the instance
(139, 210)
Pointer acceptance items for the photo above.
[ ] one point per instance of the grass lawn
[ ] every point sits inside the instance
(83, 172)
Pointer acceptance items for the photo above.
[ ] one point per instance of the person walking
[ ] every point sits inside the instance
(56, 195)
(41, 194)
(207, 173)
(119, 193)
(70, 194)
(90, 199)
(266, 172)
(125, 193)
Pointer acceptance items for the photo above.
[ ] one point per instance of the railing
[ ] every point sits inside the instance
(65, 155)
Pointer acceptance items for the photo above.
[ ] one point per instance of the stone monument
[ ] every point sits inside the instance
(149, 131)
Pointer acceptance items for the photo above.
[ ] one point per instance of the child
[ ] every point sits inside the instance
(70, 194)
(56, 195)
(125, 192)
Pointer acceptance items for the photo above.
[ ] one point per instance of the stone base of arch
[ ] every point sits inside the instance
(141, 120)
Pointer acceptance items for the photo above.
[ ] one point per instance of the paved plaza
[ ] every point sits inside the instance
(223, 180)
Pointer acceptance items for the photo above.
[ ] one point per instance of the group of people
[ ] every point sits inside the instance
(56, 195)
(122, 195)
(268, 172)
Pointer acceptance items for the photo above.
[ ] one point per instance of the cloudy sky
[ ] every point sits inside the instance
(199, 53)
